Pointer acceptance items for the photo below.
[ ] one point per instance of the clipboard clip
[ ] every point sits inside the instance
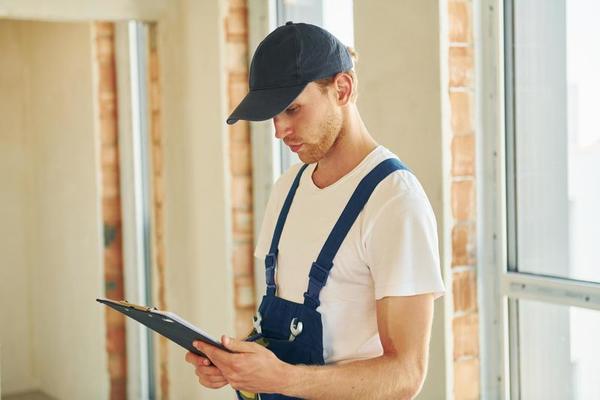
(125, 303)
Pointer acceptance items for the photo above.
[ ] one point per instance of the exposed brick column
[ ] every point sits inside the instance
(105, 71)
(240, 152)
(158, 195)
(464, 279)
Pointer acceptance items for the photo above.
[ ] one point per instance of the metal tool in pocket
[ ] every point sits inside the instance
(295, 329)
(256, 321)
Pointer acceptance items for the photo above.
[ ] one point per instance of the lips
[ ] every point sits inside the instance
(295, 148)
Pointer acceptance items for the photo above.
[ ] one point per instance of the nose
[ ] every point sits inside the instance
(282, 127)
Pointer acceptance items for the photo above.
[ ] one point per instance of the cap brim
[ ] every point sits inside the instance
(263, 104)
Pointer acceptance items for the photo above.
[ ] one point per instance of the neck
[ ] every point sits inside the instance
(354, 143)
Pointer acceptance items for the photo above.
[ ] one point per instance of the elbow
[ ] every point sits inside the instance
(415, 389)
(405, 393)
(419, 380)
(410, 391)
(411, 382)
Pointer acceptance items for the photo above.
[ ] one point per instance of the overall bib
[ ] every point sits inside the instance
(294, 331)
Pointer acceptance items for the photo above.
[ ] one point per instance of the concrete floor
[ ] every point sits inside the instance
(28, 396)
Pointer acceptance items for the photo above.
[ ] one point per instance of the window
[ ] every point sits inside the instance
(334, 15)
(555, 137)
(545, 316)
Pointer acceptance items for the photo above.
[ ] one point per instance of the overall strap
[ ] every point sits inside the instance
(271, 258)
(320, 269)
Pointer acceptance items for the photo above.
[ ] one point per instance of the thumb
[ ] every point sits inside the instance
(237, 346)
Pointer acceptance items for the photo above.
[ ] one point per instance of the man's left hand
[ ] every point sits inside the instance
(251, 367)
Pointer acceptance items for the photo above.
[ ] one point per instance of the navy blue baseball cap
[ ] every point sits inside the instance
(287, 60)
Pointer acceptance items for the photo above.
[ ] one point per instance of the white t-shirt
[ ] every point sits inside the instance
(391, 250)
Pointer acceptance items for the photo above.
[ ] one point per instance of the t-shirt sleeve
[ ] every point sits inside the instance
(401, 248)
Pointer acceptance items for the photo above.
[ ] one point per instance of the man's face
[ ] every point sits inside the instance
(311, 124)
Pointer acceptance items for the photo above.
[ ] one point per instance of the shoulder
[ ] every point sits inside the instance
(397, 194)
(399, 184)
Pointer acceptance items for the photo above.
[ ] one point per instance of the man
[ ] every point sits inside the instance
(350, 234)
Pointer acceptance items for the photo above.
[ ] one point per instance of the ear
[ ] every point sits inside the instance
(344, 87)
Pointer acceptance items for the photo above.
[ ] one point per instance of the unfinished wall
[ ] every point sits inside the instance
(107, 118)
(16, 176)
(401, 102)
(58, 241)
(240, 166)
(68, 268)
(199, 276)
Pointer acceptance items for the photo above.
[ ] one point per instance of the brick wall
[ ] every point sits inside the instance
(240, 157)
(111, 203)
(158, 196)
(465, 322)
(105, 72)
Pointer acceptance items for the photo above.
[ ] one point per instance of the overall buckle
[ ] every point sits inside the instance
(270, 262)
(318, 273)
(317, 277)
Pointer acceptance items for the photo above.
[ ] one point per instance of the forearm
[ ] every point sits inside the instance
(384, 377)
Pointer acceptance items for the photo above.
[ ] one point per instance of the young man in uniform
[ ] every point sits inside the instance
(349, 235)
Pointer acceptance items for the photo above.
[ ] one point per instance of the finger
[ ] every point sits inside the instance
(193, 358)
(214, 354)
(208, 371)
(211, 381)
(207, 349)
(196, 360)
(238, 346)
(216, 379)
(218, 383)
(212, 385)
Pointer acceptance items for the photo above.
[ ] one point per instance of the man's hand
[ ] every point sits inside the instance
(208, 376)
(251, 367)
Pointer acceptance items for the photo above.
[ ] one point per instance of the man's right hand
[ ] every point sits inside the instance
(208, 375)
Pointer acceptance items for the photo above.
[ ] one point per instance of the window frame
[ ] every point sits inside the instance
(131, 41)
(501, 286)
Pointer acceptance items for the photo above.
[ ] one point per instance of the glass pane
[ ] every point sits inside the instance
(557, 137)
(559, 352)
(309, 11)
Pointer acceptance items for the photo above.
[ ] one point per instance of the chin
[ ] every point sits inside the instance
(311, 155)
(309, 159)
(305, 159)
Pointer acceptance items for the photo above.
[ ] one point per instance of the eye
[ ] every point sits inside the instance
(292, 109)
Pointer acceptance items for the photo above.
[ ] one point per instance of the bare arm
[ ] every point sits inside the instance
(404, 329)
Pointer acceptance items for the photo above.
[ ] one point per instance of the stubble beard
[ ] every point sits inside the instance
(331, 131)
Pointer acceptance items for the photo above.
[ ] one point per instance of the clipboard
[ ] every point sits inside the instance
(168, 324)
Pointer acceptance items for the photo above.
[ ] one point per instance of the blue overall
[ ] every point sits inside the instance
(294, 331)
